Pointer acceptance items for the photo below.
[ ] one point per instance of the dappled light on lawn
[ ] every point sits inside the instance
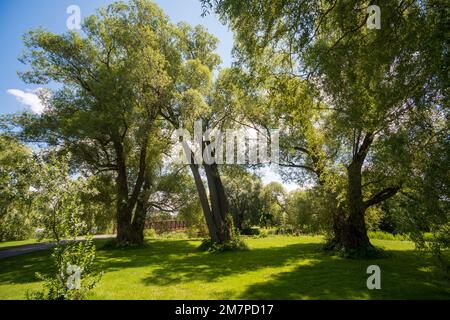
(275, 267)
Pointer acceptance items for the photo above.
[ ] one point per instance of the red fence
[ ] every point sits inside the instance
(166, 226)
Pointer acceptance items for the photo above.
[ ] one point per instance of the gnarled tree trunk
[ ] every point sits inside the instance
(123, 213)
(354, 236)
(350, 229)
(130, 228)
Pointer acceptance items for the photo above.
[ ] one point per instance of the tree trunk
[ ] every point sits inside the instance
(127, 232)
(215, 209)
(212, 228)
(338, 226)
(219, 202)
(349, 227)
(124, 228)
(123, 213)
(203, 197)
(338, 213)
(354, 236)
(140, 214)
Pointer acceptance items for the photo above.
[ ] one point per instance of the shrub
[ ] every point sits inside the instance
(59, 204)
(235, 244)
(263, 233)
(381, 235)
(194, 233)
(370, 252)
(251, 231)
(232, 245)
(150, 233)
(74, 277)
(438, 244)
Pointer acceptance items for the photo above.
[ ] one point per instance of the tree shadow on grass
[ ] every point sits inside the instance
(210, 267)
(313, 274)
(153, 253)
(402, 277)
(405, 274)
(23, 268)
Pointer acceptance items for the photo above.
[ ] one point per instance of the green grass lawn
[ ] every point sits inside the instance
(276, 267)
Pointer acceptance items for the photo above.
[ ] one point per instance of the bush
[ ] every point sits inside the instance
(438, 244)
(74, 279)
(113, 244)
(59, 204)
(150, 233)
(194, 233)
(263, 233)
(235, 244)
(371, 252)
(381, 235)
(251, 231)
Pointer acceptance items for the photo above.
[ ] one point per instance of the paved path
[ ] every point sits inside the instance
(40, 246)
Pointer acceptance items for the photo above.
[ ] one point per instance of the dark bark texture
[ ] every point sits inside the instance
(131, 208)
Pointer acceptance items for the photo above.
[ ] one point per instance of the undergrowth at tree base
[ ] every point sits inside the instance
(112, 244)
(369, 252)
(235, 244)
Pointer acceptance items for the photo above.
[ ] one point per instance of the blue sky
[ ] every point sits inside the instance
(19, 16)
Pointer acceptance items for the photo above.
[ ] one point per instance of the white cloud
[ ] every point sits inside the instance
(30, 98)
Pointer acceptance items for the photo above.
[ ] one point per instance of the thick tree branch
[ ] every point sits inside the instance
(381, 196)
(293, 165)
(302, 149)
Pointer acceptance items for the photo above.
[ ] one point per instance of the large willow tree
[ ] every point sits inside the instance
(359, 105)
(193, 99)
(113, 81)
(125, 81)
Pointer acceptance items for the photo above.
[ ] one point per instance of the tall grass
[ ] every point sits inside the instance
(381, 235)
